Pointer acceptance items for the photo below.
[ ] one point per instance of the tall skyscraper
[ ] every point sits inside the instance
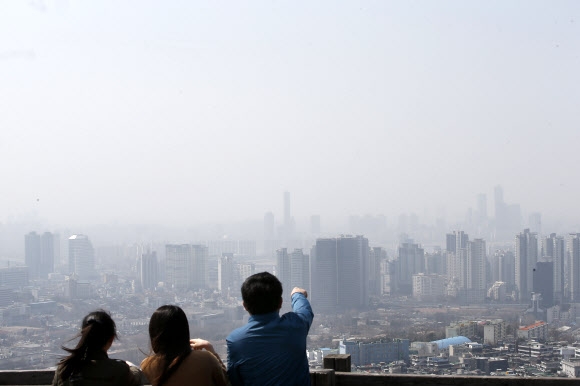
(376, 257)
(544, 282)
(47, 253)
(81, 257)
(574, 267)
(32, 254)
(226, 272)
(185, 266)
(457, 259)
(535, 223)
(149, 271)
(293, 269)
(283, 269)
(299, 270)
(475, 282)
(525, 262)
(554, 250)
(200, 253)
(338, 271)
(411, 261)
(503, 263)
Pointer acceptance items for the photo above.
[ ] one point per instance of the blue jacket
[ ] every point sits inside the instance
(271, 349)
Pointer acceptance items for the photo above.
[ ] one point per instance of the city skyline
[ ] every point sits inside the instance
(174, 115)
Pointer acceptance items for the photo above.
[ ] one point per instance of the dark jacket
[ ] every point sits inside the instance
(100, 370)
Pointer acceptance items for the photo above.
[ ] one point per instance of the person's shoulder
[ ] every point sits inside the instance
(237, 334)
(291, 315)
(145, 362)
(201, 356)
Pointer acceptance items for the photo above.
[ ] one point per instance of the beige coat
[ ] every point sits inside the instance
(200, 367)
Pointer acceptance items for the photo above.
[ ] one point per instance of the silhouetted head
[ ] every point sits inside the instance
(169, 331)
(262, 293)
(98, 331)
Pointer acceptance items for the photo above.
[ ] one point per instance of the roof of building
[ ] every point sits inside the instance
(532, 326)
(445, 343)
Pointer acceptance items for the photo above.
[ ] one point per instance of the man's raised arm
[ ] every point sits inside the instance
(301, 305)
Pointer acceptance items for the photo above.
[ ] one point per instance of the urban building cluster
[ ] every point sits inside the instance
(365, 294)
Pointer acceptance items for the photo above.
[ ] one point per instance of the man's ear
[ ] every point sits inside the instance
(244, 304)
(281, 301)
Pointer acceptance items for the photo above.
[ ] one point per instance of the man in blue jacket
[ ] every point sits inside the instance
(270, 349)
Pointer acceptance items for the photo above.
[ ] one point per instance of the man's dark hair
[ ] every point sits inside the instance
(262, 293)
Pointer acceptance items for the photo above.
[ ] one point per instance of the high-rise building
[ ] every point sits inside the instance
(574, 267)
(503, 263)
(324, 271)
(32, 254)
(226, 272)
(544, 282)
(475, 281)
(47, 253)
(338, 269)
(283, 269)
(376, 256)
(14, 277)
(81, 257)
(149, 271)
(39, 254)
(288, 226)
(525, 261)
(554, 250)
(299, 270)
(428, 287)
(411, 261)
(457, 259)
(185, 266)
(177, 266)
(243, 271)
(293, 271)
(535, 223)
(436, 263)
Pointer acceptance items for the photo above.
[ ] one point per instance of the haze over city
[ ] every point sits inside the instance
(193, 113)
(407, 166)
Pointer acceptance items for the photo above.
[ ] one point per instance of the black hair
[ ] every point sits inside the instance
(169, 334)
(262, 293)
(97, 329)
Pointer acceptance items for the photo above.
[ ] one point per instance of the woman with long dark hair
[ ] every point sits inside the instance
(88, 364)
(176, 359)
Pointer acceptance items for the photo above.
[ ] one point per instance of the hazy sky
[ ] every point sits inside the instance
(185, 111)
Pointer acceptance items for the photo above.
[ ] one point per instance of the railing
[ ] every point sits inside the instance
(336, 372)
(328, 377)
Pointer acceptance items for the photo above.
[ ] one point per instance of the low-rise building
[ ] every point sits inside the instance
(365, 353)
(571, 367)
(538, 331)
